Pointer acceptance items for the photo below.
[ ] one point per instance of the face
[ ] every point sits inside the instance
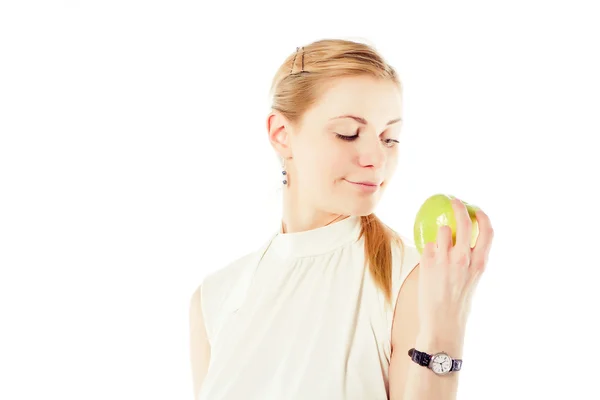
(342, 165)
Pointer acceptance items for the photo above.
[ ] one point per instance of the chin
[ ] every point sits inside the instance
(360, 207)
(351, 202)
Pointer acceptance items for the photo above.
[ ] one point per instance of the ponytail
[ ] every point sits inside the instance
(378, 252)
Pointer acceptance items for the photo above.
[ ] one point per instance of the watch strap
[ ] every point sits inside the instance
(456, 365)
(423, 359)
(420, 357)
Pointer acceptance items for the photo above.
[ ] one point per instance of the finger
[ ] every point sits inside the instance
(463, 225)
(478, 262)
(484, 240)
(429, 250)
(444, 239)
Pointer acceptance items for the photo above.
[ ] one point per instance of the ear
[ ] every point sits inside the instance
(279, 128)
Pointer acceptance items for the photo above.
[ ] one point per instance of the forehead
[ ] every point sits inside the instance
(376, 100)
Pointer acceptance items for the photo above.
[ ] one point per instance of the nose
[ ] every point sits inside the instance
(371, 153)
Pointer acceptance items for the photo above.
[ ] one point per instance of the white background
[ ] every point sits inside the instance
(134, 160)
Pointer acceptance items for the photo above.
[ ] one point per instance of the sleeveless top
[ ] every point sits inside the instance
(302, 318)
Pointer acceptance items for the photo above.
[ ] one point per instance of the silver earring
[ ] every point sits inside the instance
(284, 173)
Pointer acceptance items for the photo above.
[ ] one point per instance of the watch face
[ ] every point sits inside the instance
(441, 363)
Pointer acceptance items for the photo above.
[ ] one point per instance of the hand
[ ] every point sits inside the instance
(448, 274)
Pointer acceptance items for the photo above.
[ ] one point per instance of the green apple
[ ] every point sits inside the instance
(437, 211)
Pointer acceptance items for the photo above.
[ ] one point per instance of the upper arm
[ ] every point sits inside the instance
(405, 328)
(199, 344)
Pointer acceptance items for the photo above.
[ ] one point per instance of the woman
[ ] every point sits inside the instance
(336, 305)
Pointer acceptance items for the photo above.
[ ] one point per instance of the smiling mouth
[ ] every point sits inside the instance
(369, 184)
(365, 187)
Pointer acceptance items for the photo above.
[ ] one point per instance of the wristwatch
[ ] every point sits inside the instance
(440, 363)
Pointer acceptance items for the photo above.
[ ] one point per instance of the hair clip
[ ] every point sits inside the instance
(294, 60)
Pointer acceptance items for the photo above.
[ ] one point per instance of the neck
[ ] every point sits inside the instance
(299, 217)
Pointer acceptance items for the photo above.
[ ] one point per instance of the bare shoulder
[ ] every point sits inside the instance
(405, 318)
(405, 258)
(405, 276)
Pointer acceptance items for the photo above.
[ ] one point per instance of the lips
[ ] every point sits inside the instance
(366, 183)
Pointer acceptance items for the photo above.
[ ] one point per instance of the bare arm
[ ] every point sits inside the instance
(409, 381)
(199, 345)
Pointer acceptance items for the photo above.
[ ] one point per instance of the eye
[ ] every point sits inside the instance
(390, 142)
(348, 138)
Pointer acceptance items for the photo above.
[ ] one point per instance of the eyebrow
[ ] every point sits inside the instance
(364, 121)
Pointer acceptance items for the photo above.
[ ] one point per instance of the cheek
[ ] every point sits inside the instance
(333, 165)
(391, 164)
(327, 162)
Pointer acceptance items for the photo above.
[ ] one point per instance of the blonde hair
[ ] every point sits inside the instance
(298, 84)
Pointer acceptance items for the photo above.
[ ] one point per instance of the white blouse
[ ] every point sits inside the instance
(301, 318)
